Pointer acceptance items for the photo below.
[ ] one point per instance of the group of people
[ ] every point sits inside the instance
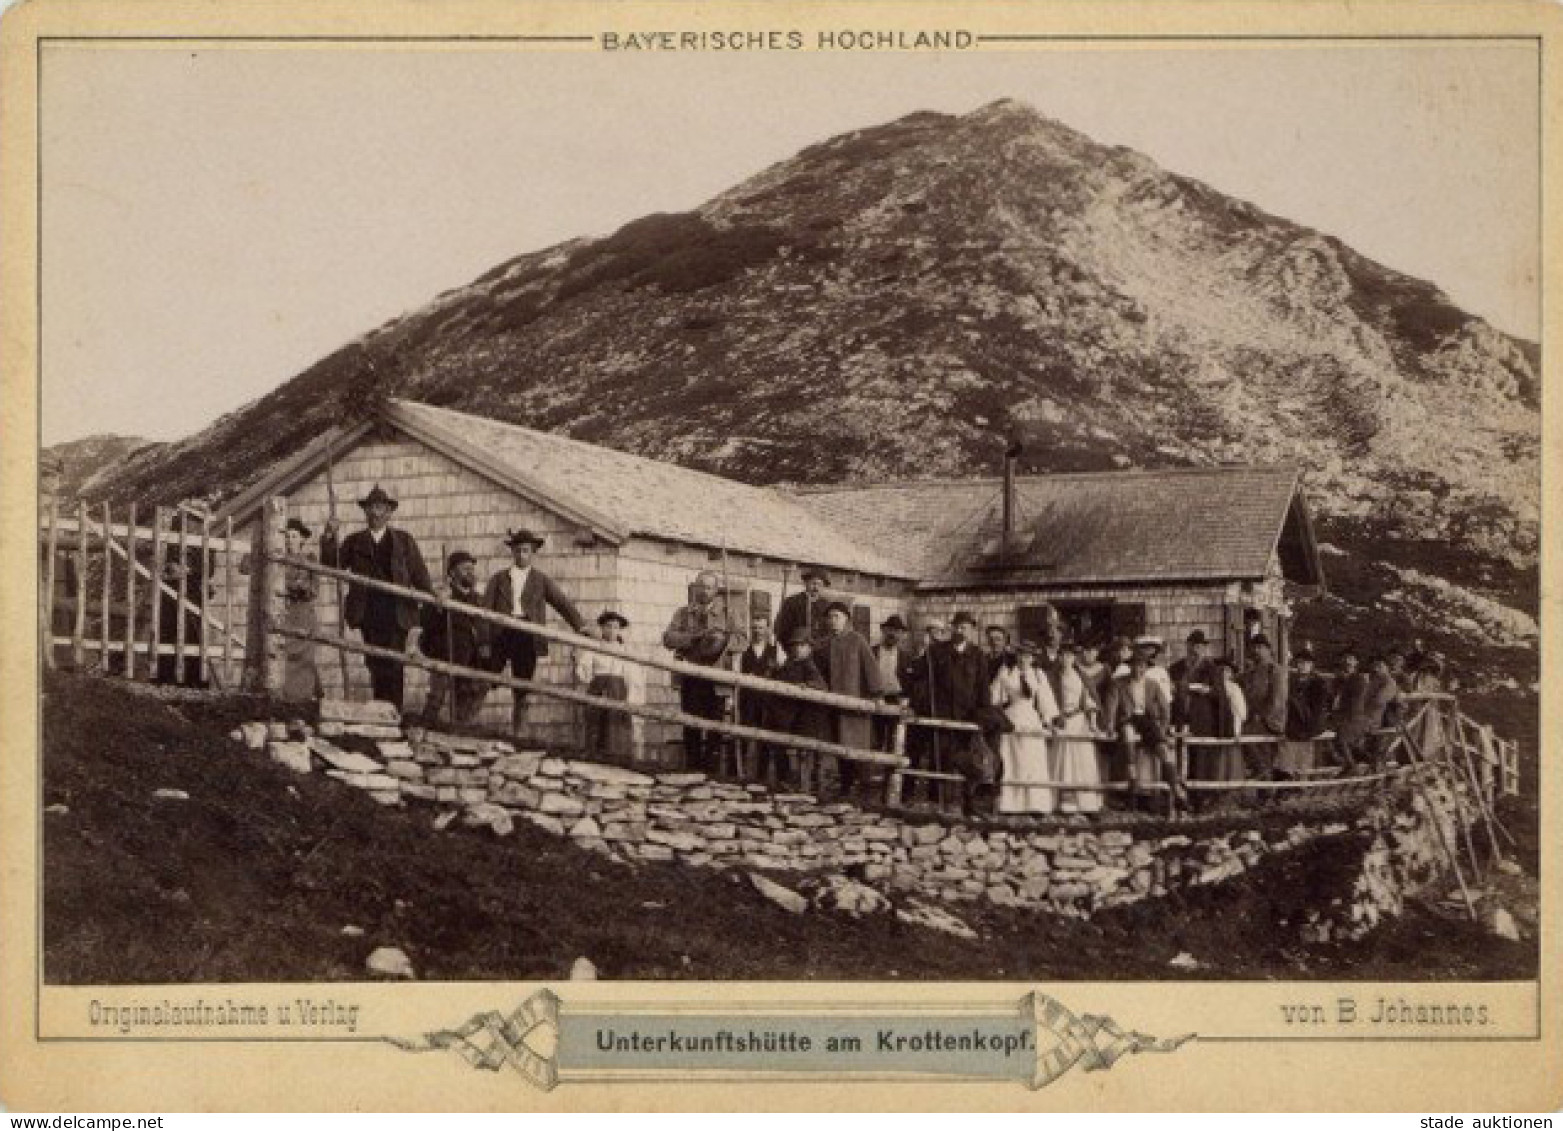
(1035, 712)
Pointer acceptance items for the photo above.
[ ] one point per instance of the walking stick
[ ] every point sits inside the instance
(727, 624)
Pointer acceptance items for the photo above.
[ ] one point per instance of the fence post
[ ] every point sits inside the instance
(183, 587)
(228, 601)
(155, 590)
(206, 569)
(130, 593)
(270, 604)
(108, 580)
(50, 568)
(893, 783)
(79, 628)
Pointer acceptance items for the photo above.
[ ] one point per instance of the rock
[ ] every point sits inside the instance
(254, 735)
(679, 842)
(785, 898)
(421, 792)
(1502, 924)
(443, 821)
(395, 750)
(171, 794)
(518, 796)
(386, 797)
(351, 711)
(655, 852)
(353, 932)
(298, 730)
(1184, 961)
(1509, 868)
(582, 970)
(680, 780)
(57, 809)
(370, 730)
(348, 760)
(330, 730)
(519, 766)
(562, 804)
(277, 731)
(390, 962)
(492, 816)
(546, 823)
(847, 897)
(920, 914)
(293, 755)
(586, 827)
(406, 771)
(609, 775)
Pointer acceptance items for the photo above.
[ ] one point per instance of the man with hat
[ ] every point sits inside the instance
(523, 591)
(610, 735)
(1308, 701)
(1151, 647)
(1264, 690)
(385, 553)
(960, 687)
(1195, 683)
(702, 633)
(806, 609)
(889, 656)
(457, 639)
(849, 667)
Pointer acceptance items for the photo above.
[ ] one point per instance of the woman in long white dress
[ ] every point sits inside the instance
(1076, 762)
(1023, 693)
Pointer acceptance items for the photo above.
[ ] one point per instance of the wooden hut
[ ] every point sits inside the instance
(624, 533)
(1129, 553)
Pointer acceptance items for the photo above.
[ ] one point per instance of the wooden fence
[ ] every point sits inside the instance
(131, 600)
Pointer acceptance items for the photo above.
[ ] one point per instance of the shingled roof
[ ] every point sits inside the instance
(620, 495)
(1185, 524)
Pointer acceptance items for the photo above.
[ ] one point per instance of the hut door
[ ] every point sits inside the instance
(1234, 634)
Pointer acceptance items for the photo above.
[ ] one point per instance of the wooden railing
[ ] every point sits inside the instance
(115, 592)
(900, 721)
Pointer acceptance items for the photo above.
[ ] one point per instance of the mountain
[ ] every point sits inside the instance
(79, 466)
(896, 301)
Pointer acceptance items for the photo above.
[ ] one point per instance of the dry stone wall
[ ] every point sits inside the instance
(688, 818)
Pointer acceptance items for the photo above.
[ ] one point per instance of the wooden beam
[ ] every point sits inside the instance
(159, 519)
(130, 593)
(108, 580)
(228, 601)
(660, 714)
(206, 565)
(79, 630)
(49, 571)
(184, 590)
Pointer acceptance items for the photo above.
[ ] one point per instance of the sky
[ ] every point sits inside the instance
(217, 219)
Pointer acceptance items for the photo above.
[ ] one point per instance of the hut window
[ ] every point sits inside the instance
(863, 620)
(1128, 619)
(1082, 620)
(759, 603)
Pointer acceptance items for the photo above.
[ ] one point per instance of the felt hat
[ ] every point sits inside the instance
(1198, 637)
(523, 537)
(377, 495)
(610, 615)
(810, 572)
(963, 617)
(456, 558)
(893, 621)
(799, 635)
(840, 607)
(298, 524)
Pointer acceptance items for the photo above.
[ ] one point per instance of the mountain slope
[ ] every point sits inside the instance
(891, 302)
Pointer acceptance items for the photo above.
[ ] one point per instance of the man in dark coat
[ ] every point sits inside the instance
(385, 553)
(960, 687)
(1308, 700)
(806, 609)
(525, 592)
(457, 639)
(761, 658)
(1195, 683)
(848, 665)
(997, 637)
(1264, 690)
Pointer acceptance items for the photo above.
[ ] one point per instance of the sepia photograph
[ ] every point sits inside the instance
(789, 499)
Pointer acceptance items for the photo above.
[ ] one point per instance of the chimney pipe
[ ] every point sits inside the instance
(1011, 459)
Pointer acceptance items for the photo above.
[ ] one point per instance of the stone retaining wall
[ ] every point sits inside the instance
(689, 818)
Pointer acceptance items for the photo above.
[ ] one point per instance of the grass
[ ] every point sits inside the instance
(255, 875)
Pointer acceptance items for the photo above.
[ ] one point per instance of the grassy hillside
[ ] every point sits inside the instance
(255, 875)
